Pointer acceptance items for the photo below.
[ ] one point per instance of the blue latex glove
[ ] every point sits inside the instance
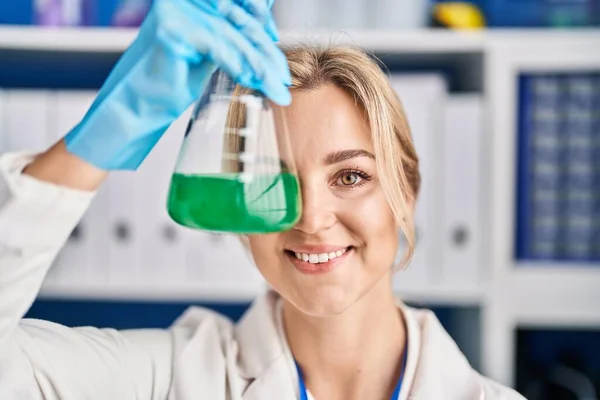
(167, 67)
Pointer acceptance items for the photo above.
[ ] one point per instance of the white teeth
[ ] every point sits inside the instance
(319, 258)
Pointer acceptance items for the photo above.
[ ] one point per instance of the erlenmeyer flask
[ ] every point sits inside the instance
(235, 171)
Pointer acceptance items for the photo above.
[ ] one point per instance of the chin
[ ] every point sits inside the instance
(323, 302)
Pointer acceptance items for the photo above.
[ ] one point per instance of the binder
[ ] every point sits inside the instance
(221, 263)
(350, 14)
(77, 261)
(28, 118)
(162, 240)
(580, 167)
(3, 123)
(423, 97)
(558, 208)
(539, 179)
(461, 178)
(97, 219)
(124, 234)
(299, 15)
(400, 14)
(596, 234)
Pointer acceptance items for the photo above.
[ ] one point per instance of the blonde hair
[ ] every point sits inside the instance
(360, 76)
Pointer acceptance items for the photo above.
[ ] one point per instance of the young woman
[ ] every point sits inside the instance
(330, 328)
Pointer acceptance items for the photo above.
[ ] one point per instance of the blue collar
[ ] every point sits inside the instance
(395, 395)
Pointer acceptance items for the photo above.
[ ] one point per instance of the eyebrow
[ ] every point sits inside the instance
(343, 155)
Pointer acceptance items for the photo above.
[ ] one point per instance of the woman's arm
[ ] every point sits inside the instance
(40, 359)
(60, 167)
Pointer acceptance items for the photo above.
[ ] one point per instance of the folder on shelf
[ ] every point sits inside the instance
(220, 262)
(423, 98)
(97, 220)
(299, 15)
(580, 160)
(162, 240)
(3, 123)
(461, 177)
(124, 233)
(400, 14)
(77, 261)
(596, 234)
(351, 14)
(28, 117)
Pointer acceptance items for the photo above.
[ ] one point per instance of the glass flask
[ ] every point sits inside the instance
(235, 171)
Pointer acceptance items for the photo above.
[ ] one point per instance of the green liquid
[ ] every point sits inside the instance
(223, 202)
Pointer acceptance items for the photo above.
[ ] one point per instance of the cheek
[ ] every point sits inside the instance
(372, 223)
(264, 251)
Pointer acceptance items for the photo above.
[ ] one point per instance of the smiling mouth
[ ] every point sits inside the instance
(318, 258)
(316, 263)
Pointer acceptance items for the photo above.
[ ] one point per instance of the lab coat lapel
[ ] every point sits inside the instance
(274, 383)
(442, 372)
(265, 359)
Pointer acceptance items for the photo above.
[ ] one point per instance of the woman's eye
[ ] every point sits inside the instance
(349, 179)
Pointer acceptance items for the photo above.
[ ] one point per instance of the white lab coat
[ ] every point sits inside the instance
(202, 356)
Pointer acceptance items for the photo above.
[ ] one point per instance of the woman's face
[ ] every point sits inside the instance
(346, 238)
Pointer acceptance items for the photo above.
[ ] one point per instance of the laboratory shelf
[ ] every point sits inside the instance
(197, 291)
(555, 294)
(150, 291)
(425, 41)
(446, 295)
(116, 40)
(28, 38)
(417, 41)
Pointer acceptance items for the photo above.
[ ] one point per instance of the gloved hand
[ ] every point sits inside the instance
(179, 46)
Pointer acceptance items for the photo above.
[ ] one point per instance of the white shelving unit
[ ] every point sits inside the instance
(88, 40)
(198, 291)
(527, 294)
(155, 291)
(510, 294)
(432, 41)
(117, 40)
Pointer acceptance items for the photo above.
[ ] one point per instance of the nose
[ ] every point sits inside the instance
(317, 211)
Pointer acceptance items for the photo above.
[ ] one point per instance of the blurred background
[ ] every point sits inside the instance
(503, 98)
